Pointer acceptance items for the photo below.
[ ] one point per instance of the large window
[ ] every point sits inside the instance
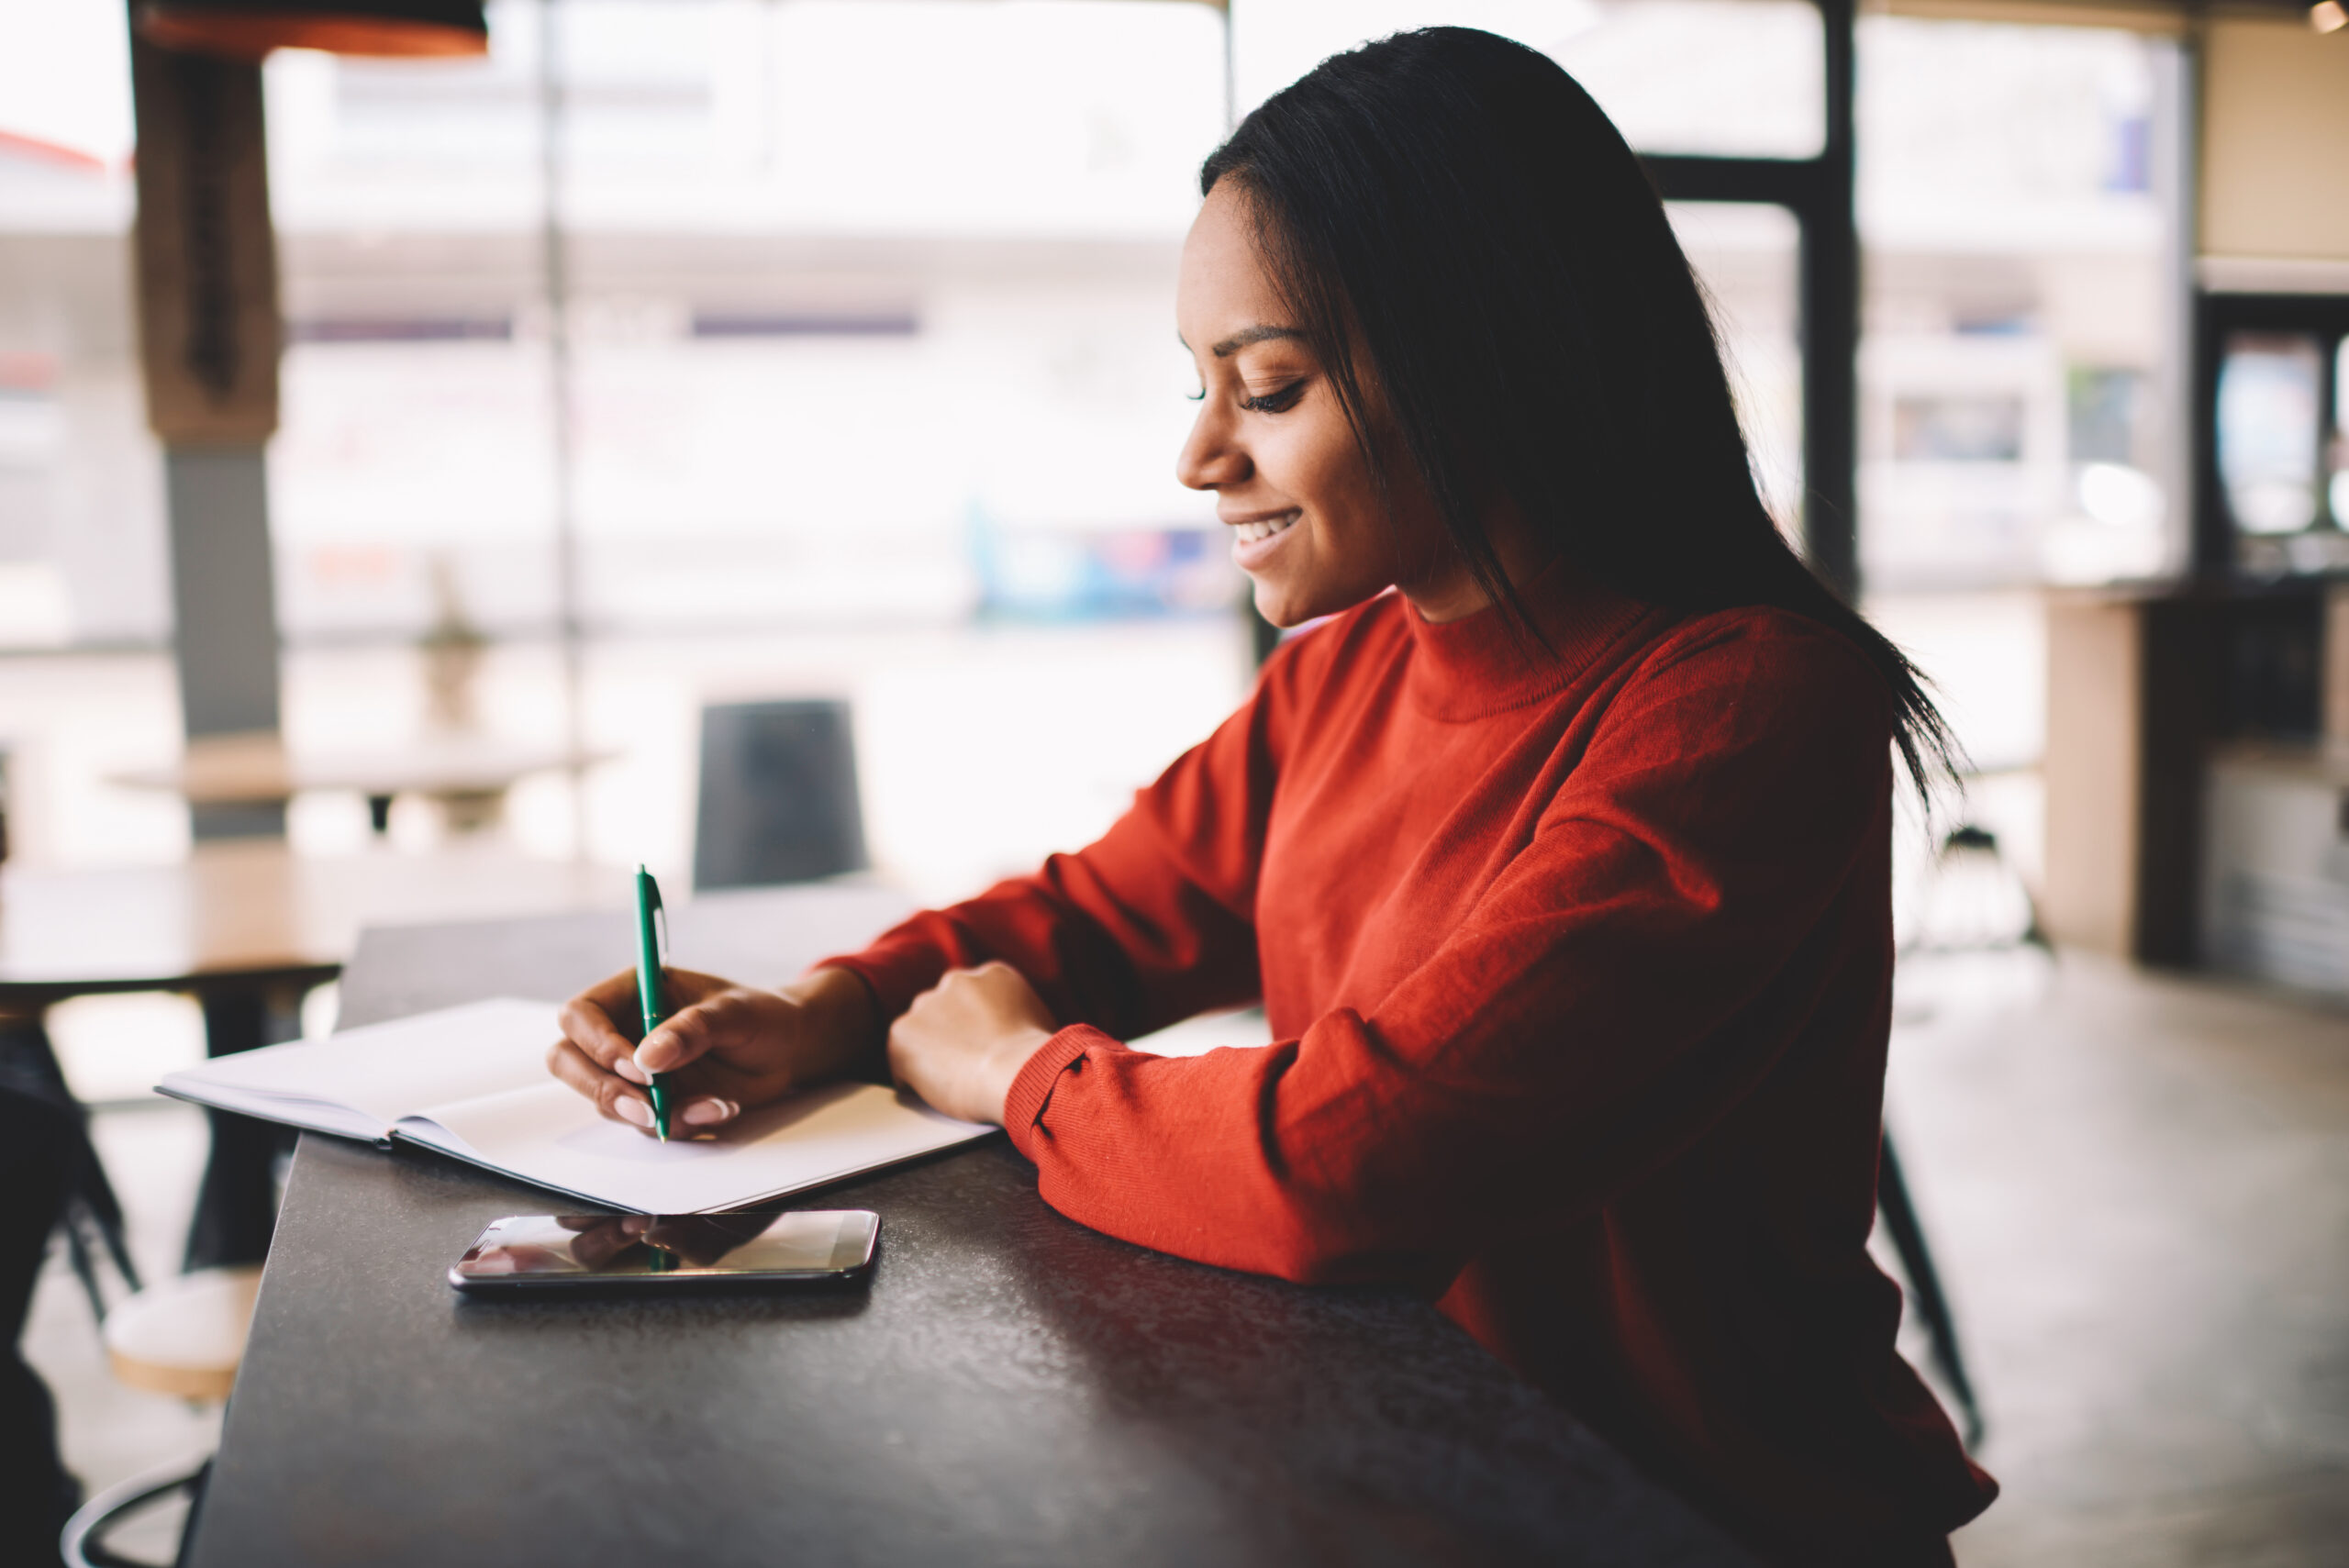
(867, 387)
(867, 308)
(1720, 77)
(2018, 374)
(81, 557)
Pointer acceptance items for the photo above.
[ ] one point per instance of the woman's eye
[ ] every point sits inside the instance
(1275, 402)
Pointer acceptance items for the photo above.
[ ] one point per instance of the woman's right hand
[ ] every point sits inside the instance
(722, 1050)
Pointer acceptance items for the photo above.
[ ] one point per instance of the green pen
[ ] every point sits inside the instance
(648, 982)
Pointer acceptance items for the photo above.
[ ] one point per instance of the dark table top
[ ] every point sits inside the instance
(1009, 1388)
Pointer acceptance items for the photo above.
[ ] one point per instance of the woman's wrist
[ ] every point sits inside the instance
(963, 1041)
(1005, 1062)
(843, 1013)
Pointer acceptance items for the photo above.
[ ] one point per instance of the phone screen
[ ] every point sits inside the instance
(533, 1250)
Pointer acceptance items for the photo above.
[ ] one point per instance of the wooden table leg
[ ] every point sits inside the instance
(236, 1209)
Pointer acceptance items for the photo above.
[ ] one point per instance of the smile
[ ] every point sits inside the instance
(1256, 532)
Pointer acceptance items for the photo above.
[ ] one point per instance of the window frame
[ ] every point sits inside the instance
(1822, 194)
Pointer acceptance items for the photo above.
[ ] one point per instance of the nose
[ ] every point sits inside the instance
(1209, 460)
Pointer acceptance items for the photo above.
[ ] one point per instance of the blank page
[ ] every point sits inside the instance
(361, 1082)
(548, 1135)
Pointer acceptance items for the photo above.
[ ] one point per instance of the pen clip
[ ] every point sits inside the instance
(660, 913)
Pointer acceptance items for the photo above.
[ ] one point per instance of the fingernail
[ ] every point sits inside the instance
(644, 1045)
(627, 1068)
(635, 1110)
(705, 1113)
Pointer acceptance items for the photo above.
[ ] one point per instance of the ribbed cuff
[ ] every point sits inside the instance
(1032, 1091)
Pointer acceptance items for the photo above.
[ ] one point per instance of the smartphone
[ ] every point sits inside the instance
(640, 1251)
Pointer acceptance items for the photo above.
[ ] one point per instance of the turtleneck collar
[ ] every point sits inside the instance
(1475, 666)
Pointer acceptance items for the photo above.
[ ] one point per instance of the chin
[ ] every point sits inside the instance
(1277, 607)
(1289, 610)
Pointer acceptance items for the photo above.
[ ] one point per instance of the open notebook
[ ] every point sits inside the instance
(472, 1082)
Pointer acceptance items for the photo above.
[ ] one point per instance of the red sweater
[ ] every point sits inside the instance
(1579, 977)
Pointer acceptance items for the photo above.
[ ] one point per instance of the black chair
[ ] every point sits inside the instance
(1975, 903)
(42, 1148)
(89, 1215)
(778, 798)
(1925, 1288)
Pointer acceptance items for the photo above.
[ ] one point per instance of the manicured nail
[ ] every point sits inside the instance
(627, 1068)
(635, 1110)
(706, 1113)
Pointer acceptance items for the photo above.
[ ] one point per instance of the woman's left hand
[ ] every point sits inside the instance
(963, 1041)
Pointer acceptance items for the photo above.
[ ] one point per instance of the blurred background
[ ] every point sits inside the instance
(672, 355)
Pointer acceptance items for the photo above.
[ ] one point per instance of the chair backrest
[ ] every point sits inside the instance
(778, 795)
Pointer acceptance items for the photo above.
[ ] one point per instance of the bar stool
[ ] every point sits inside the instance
(186, 1337)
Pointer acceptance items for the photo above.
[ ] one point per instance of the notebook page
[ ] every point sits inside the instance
(358, 1082)
(548, 1135)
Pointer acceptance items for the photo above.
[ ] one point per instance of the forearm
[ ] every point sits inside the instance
(1122, 934)
(1238, 1159)
(1031, 923)
(847, 1018)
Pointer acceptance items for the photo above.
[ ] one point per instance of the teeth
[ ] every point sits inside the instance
(1251, 532)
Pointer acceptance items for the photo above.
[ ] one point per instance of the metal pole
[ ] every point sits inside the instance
(2200, 542)
(1830, 326)
(1231, 74)
(208, 340)
(554, 260)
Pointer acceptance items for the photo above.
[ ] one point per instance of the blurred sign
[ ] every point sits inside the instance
(208, 267)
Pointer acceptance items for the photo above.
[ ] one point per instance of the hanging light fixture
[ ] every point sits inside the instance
(248, 30)
(2328, 15)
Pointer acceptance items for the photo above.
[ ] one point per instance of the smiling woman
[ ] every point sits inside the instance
(1562, 870)
(1321, 514)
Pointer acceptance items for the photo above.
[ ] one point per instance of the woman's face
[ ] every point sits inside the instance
(1308, 525)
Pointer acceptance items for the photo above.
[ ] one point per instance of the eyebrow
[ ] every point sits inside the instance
(1246, 336)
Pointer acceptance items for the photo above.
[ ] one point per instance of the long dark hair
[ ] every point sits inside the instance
(1454, 206)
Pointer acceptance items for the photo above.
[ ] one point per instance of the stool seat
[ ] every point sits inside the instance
(184, 1336)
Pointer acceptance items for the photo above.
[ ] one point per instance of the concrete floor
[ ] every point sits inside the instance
(2137, 1189)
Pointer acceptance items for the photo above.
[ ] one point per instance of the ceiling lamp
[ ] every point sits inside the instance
(248, 30)
(2328, 15)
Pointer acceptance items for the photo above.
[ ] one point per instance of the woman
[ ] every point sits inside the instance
(1562, 870)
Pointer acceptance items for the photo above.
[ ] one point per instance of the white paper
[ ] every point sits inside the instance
(473, 1082)
(548, 1135)
(360, 1082)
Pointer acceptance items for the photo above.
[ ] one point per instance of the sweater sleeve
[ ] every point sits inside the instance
(1148, 925)
(1609, 999)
